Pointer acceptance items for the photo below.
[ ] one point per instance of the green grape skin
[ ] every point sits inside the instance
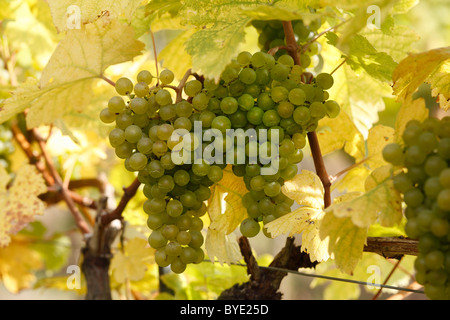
(272, 189)
(155, 221)
(133, 134)
(255, 115)
(333, 109)
(325, 81)
(318, 110)
(286, 60)
(285, 109)
(145, 76)
(246, 101)
(157, 240)
(279, 72)
(174, 208)
(166, 76)
(196, 239)
(250, 228)
(183, 237)
(139, 105)
(301, 115)
(297, 96)
(116, 104)
(155, 169)
(244, 58)
(141, 89)
(124, 150)
(434, 165)
(247, 76)
(106, 116)
(177, 266)
(393, 153)
(192, 88)
(229, 105)
(138, 161)
(124, 86)
(116, 137)
(279, 94)
(159, 148)
(221, 123)
(145, 145)
(271, 118)
(265, 102)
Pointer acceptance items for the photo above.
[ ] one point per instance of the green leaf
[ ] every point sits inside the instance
(378, 65)
(223, 30)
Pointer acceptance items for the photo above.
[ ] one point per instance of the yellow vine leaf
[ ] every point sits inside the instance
(68, 77)
(345, 239)
(338, 133)
(379, 137)
(226, 215)
(20, 203)
(65, 13)
(132, 263)
(307, 190)
(226, 212)
(221, 246)
(17, 263)
(410, 110)
(381, 203)
(431, 67)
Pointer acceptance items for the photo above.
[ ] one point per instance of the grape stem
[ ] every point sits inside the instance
(291, 44)
(308, 44)
(108, 80)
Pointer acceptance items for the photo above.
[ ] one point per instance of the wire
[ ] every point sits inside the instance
(312, 275)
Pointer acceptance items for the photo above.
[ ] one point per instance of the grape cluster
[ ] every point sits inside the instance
(425, 185)
(6, 146)
(271, 35)
(255, 92)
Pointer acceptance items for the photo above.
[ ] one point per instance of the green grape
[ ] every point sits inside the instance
(164, 131)
(124, 120)
(174, 208)
(155, 169)
(166, 77)
(393, 153)
(297, 96)
(221, 123)
(177, 266)
(168, 112)
(229, 105)
(444, 178)
(155, 221)
(124, 86)
(133, 134)
(124, 150)
(201, 169)
(324, 81)
(434, 165)
(272, 189)
(318, 110)
(145, 76)
(255, 115)
(159, 148)
(116, 104)
(247, 76)
(285, 109)
(163, 97)
(200, 101)
(246, 101)
(157, 240)
(271, 118)
(279, 94)
(402, 182)
(279, 72)
(196, 239)
(257, 183)
(301, 115)
(184, 109)
(286, 60)
(258, 60)
(333, 108)
(244, 58)
(443, 199)
(265, 101)
(155, 206)
(413, 198)
(139, 105)
(138, 161)
(299, 140)
(106, 116)
(249, 228)
(116, 137)
(141, 89)
(145, 145)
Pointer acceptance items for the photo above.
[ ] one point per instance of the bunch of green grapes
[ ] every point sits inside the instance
(256, 94)
(143, 137)
(269, 94)
(425, 185)
(271, 35)
(6, 146)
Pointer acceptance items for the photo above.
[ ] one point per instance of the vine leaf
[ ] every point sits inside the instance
(89, 11)
(410, 110)
(66, 82)
(20, 203)
(307, 190)
(132, 263)
(222, 32)
(18, 263)
(432, 67)
(226, 212)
